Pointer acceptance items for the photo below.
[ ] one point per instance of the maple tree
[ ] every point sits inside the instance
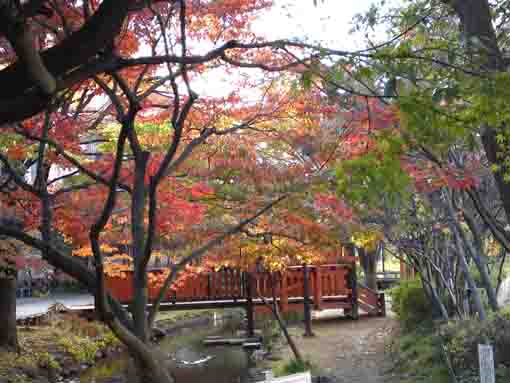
(128, 90)
(128, 162)
(148, 168)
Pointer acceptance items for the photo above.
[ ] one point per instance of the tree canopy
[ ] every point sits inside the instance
(110, 154)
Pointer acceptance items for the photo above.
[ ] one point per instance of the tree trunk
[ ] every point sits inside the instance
(145, 374)
(438, 308)
(369, 263)
(476, 253)
(149, 363)
(476, 20)
(140, 298)
(8, 334)
(471, 284)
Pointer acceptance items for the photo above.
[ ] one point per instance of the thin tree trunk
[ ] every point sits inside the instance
(467, 276)
(368, 263)
(433, 296)
(283, 327)
(480, 265)
(140, 298)
(371, 270)
(475, 252)
(8, 334)
(285, 331)
(455, 228)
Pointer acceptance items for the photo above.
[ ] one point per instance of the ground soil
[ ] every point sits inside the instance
(349, 351)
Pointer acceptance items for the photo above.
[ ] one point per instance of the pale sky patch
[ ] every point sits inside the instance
(328, 23)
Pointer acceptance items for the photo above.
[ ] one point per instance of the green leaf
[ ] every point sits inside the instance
(338, 75)
(307, 80)
(365, 72)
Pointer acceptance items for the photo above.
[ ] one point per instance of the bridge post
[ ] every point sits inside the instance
(317, 296)
(403, 273)
(306, 301)
(250, 326)
(353, 284)
(284, 293)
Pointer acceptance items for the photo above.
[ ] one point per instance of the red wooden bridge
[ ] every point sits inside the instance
(329, 286)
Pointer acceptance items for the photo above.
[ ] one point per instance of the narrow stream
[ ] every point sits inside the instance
(189, 360)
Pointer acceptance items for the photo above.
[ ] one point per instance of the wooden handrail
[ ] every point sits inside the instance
(212, 288)
(363, 286)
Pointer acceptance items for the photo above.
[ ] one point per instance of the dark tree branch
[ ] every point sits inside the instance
(198, 253)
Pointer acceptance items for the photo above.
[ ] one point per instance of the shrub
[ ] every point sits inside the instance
(462, 338)
(46, 360)
(417, 356)
(83, 350)
(109, 339)
(410, 304)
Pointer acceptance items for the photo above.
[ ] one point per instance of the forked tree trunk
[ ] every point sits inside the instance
(8, 334)
(149, 363)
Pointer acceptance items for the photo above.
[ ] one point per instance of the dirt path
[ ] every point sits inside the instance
(349, 351)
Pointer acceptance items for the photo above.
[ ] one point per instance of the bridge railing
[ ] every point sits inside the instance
(330, 286)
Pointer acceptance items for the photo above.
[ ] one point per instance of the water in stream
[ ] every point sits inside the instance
(189, 360)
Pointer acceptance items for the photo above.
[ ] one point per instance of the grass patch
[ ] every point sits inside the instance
(293, 366)
(177, 316)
